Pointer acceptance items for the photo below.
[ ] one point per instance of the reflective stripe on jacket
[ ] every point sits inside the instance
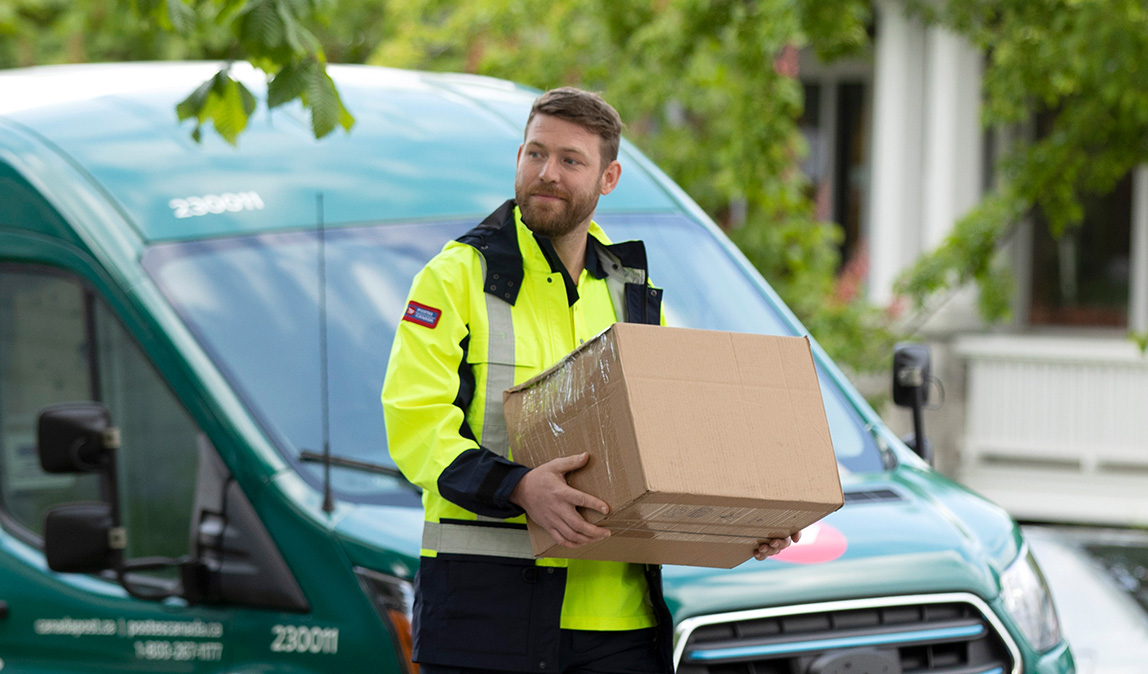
(491, 311)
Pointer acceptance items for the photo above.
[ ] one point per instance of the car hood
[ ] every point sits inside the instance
(908, 531)
(382, 537)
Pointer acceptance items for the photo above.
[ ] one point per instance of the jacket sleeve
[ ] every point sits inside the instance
(428, 387)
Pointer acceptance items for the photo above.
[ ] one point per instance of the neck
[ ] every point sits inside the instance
(571, 249)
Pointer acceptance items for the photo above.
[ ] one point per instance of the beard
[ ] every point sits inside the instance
(555, 219)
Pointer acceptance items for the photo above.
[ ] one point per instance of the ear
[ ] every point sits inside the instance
(518, 157)
(610, 177)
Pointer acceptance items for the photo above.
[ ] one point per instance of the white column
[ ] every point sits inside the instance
(953, 149)
(1138, 292)
(898, 111)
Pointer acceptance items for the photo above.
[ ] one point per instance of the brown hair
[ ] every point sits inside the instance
(586, 109)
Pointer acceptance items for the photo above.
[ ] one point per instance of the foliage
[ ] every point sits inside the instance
(274, 35)
(1081, 64)
(708, 91)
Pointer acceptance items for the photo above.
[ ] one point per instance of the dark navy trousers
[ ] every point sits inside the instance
(591, 652)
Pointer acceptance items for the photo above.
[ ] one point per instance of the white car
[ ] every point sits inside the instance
(1099, 581)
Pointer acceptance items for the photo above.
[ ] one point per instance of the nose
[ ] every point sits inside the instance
(549, 171)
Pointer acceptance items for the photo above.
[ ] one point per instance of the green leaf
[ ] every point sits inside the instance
(346, 119)
(289, 83)
(247, 99)
(192, 106)
(320, 96)
(260, 28)
(181, 16)
(324, 102)
(301, 40)
(221, 100)
(230, 11)
(225, 108)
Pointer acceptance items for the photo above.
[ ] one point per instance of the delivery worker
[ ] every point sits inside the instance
(501, 304)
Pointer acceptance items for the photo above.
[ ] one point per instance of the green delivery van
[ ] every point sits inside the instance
(187, 330)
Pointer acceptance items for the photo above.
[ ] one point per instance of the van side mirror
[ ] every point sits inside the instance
(234, 558)
(912, 371)
(76, 438)
(81, 538)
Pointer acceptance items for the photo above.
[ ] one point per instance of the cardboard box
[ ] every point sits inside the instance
(703, 443)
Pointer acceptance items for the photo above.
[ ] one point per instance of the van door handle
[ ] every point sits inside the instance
(3, 609)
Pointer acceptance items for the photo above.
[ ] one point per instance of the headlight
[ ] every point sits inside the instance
(394, 599)
(1027, 599)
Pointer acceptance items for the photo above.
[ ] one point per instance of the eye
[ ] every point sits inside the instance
(572, 162)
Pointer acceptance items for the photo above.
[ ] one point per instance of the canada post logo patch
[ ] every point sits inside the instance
(422, 314)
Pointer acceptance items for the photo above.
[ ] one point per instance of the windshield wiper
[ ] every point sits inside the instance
(307, 456)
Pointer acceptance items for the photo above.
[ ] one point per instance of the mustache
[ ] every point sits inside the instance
(550, 192)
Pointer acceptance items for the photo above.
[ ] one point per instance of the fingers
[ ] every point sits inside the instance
(549, 501)
(582, 532)
(559, 489)
(584, 500)
(773, 546)
(764, 551)
(559, 538)
(565, 464)
(573, 527)
(557, 512)
(573, 536)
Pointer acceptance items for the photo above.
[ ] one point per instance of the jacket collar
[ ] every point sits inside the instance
(508, 246)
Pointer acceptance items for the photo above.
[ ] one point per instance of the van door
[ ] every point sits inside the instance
(60, 342)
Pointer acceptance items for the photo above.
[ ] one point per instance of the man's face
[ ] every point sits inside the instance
(560, 176)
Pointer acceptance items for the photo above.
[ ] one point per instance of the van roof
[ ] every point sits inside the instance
(424, 147)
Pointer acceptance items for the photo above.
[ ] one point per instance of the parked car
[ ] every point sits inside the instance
(188, 328)
(1099, 582)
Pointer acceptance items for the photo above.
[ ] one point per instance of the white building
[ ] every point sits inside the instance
(1047, 415)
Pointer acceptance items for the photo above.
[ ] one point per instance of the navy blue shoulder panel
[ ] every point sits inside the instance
(496, 239)
(631, 254)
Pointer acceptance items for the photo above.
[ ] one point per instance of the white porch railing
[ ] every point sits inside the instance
(1056, 428)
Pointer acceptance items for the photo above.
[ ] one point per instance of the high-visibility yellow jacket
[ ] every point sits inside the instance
(491, 310)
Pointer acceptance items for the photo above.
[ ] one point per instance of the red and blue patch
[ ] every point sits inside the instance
(422, 314)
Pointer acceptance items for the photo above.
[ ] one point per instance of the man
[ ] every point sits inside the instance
(501, 304)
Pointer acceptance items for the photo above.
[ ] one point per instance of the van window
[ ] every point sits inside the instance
(59, 342)
(252, 302)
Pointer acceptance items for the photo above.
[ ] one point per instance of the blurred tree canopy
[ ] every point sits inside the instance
(280, 37)
(1078, 63)
(708, 89)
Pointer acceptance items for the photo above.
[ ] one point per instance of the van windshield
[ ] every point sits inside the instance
(253, 302)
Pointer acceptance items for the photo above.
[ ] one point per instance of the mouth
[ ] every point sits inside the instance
(546, 196)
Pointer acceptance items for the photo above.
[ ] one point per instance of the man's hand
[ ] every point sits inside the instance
(549, 501)
(774, 546)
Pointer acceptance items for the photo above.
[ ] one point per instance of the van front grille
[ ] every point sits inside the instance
(939, 634)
